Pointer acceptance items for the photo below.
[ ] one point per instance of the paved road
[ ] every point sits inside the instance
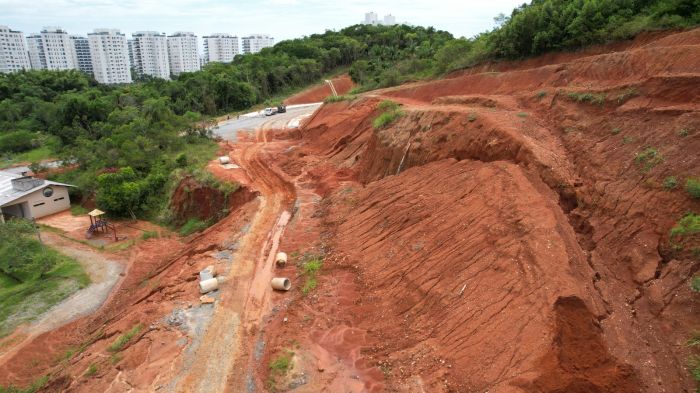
(252, 121)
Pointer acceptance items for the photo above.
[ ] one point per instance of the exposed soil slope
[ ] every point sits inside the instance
(342, 84)
(511, 231)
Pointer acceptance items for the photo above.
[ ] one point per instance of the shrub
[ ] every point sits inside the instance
(627, 94)
(688, 225)
(124, 339)
(17, 141)
(616, 131)
(279, 367)
(388, 106)
(695, 284)
(683, 132)
(91, 370)
(648, 159)
(692, 185)
(540, 95)
(670, 183)
(340, 98)
(591, 98)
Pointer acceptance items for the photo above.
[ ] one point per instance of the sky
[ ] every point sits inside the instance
(283, 19)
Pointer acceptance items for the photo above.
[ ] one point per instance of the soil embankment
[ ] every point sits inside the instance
(342, 84)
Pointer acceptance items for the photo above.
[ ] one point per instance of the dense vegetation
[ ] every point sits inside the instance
(126, 141)
(547, 25)
(33, 277)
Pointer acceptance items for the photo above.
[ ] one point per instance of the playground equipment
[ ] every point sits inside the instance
(97, 224)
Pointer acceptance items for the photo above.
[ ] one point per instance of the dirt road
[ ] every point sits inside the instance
(245, 295)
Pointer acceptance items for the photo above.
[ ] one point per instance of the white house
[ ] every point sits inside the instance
(29, 197)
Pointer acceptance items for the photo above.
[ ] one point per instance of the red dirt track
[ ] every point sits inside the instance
(342, 84)
(500, 236)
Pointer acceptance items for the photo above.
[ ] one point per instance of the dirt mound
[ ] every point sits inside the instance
(194, 199)
(318, 93)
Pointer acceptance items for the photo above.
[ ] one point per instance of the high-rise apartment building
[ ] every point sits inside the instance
(81, 46)
(13, 51)
(371, 18)
(389, 20)
(52, 49)
(110, 56)
(255, 42)
(220, 47)
(149, 53)
(182, 52)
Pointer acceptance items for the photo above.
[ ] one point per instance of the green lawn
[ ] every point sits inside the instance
(34, 155)
(24, 302)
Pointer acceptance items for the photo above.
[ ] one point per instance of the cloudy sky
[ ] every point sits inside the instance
(281, 18)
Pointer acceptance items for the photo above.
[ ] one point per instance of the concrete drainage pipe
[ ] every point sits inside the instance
(208, 285)
(281, 259)
(223, 160)
(281, 284)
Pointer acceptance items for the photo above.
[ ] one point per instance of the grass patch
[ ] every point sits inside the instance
(310, 270)
(340, 98)
(670, 183)
(627, 140)
(149, 235)
(124, 339)
(688, 225)
(591, 98)
(279, 367)
(120, 246)
(24, 298)
(391, 111)
(37, 385)
(694, 367)
(540, 95)
(385, 119)
(471, 117)
(522, 114)
(627, 94)
(648, 158)
(78, 210)
(91, 370)
(34, 155)
(692, 185)
(616, 131)
(683, 132)
(192, 225)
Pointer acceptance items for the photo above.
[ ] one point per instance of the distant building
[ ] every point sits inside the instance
(256, 42)
(52, 49)
(13, 51)
(35, 47)
(371, 18)
(81, 46)
(110, 56)
(389, 20)
(182, 53)
(220, 47)
(28, 197)
(149, 54)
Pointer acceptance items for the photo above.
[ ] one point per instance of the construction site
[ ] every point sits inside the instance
(507, 228)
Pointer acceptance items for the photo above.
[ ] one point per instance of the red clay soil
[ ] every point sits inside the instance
(342, 84)
(509, 233)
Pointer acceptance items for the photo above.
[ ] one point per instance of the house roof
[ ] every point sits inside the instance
(9, 194)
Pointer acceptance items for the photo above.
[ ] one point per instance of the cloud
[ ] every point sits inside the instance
(281, 18)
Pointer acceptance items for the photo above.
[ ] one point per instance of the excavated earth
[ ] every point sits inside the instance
(508, 233)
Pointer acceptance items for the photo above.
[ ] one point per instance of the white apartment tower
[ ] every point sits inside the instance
(255, 42)
(220, 47)
(82, 53)
(182, 52)
(13, 51)
(389, 20)
(36, 52)
(149, 51)
(110, 56)
(52, 49)
(371, 18)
